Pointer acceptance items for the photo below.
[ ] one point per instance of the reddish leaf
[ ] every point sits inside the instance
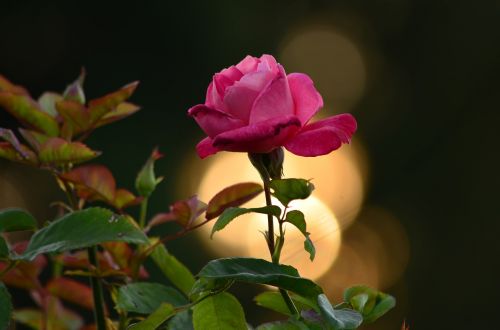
(7, 151)
(404, 326)
(60, 318)
(75, 115)
(120, 251)
(90, 327)
(184, 212)
(47, 102)
(92, 182)
(232, 196)
(121, 111)
(59, 151)
(124, 198)
(79, 260)
(100, 107)
(34, 138)
(96, 182)
(71, 291)
(29, 113)
(160, 218)
(25, 274)
(6, 85)
(9, 136)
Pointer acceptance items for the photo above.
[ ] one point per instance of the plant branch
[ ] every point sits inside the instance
(97, 292)
(270, 242)
(270, 223)
(144, 212)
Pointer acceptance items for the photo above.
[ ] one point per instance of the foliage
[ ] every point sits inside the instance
(97, 237)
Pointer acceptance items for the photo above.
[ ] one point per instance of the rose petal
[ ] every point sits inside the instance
(240, 97)
(322, 137)
(205, 148)
(248, 64)
(226, 78)
(213, 99)
(268, 63)
(217, 88)
(213, 122)
(306, 98)
(274, 101)
(259, 137)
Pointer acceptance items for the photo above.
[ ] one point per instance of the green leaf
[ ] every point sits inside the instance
(274, 301)
(260, 271)
(181, 321)
(14, 219)
(297, 219)
(145, 298)
(232, 196)
(28, 112)
(309, 247)
(153, 321)
(284, 325)
(339, 319)
(59, 151)
(286, 190)
(173, 269)
(372, 304)
(4, 249)
(146, 180)
(219, 312)
(83, 229)
(5, 307)
(207, 286)
(231, 213)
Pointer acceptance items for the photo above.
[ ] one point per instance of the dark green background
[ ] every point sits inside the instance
(431, 137)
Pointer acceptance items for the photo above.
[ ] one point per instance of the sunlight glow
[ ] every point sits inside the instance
(339, 186)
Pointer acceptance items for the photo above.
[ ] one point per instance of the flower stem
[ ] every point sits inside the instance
(270, 223)
(144, 212)
(270, 242)
(97, 291)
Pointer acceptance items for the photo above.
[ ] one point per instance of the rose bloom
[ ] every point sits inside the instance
(255, 107)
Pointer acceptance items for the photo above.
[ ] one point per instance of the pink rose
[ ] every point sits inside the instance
(255, 107)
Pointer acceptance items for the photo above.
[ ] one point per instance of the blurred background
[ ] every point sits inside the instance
(410, 207)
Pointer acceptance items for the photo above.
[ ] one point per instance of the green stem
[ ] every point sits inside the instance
(123, 323)
(276, 256)
(97, 291)
(144, 212)
(270, 223)
(289, 302)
